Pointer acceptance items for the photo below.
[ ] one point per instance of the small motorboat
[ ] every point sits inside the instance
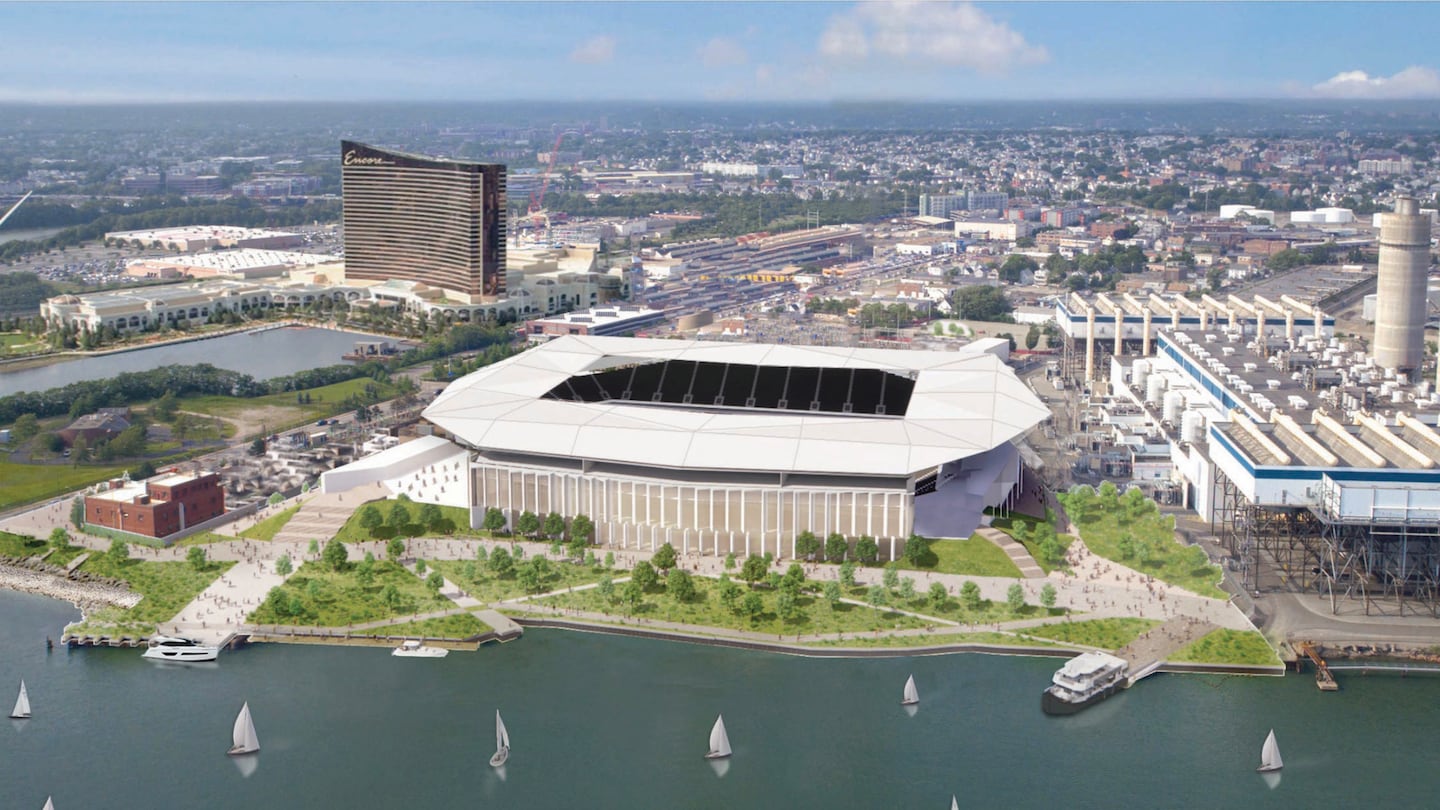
(177, 649)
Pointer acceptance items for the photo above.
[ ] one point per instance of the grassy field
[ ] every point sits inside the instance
(271, 526)
(988, 612)
(458, 626)
(816, 616)
(975, 556)
(17, 545)
(456, 522)
(1022, 528)
(1225, 646)
(1105, 634)
(933, 640)
(166, 586)
(111, 621)
(1131, 531)
(324, 401)
(315, 596)
(27, 483)
(483, 584)
(16, 343)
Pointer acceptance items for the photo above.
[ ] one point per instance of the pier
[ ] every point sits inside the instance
(1323, 678)
(1148, 651)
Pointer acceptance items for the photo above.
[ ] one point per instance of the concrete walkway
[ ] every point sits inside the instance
(1015, 550)
(220, 610)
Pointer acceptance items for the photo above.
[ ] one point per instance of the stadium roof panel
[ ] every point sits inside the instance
(963, 403)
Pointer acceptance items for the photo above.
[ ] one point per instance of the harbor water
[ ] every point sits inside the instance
(603, 721)
(262, 355)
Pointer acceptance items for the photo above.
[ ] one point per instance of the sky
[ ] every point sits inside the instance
(907, 50)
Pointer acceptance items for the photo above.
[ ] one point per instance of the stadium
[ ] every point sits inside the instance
(721, 448)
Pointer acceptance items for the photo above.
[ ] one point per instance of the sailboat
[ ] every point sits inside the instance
(1270, 755)
(245, 741)
(954, 805)
(719, 740)
(22, 705)
(912, 695)
(502, 742)
(49, 805)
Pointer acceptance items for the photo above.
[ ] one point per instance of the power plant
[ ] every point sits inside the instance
(1400, 305)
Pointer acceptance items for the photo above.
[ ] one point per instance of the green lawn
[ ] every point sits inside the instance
(315, 596)
(975, 556)
(988, 612)
(166, 586)
(706, 610)
(271, 526)
(111, 621)
(324, 401)
(26, 483)
(1225, 646)
(19, 545)
(458, 626)
(456, 522)
(202, 538)
(1109, 523)
(1022, 529)
(933, 640)
(483, 584)
(1105, 634)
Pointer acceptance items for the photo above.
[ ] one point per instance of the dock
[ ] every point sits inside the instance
(1147, 653)
(1324, 679)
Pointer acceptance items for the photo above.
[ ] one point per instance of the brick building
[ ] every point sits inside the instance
(156, 507)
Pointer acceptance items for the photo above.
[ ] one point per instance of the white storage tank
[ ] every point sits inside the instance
(1192, 426)
(1154, 389)
(1174, 404)
(1139, 373)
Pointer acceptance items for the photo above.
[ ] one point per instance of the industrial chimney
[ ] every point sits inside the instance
(1400, 303)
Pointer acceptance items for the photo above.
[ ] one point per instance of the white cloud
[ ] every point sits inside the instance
(595, 50)
(723, 52)
(763, 74)
(1415, 81)
(937, 33)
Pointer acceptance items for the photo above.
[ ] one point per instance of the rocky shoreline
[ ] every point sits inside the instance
(47, 580)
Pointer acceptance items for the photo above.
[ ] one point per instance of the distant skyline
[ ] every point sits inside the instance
(895, 50)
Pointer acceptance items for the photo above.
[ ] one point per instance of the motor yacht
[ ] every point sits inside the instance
(180, 650)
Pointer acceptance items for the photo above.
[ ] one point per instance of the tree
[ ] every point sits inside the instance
(891, 576)
(77, 512)
(257, 448)
(314, 547)
(421, 567)
(1126, 546)
(80, 450)
(501, 563)
(581, 529)
(680, 585)
(867, 549)
(119, 550)
(283, 566)
(1032, 337)
(644, 573)
(399, 516)
(754, 569)
(794, 577)
(876, 596)
(494, 520)
(847, 573)
(196, 557)
(632, 595)
(836, 547)
(59, 538)
(807, 545)
(481, 555)
(982, 302)
(938, 596)
(335, 555)
(527, 524)
(165, 407)
(752, 606)
(907, 589)
(1015, 598)
(435, 582)
(25, 427)
(970, 595)
(785, 605)
(664, 557)
(729, 591)
(1015, 266)
(395, 549)
(365, 571)
(609, 560)
(1047, 595)
(917, 552)
(430, 516)
(832, 593)
(554, 525)
(606, 588)
(730, 561)
(528, 578)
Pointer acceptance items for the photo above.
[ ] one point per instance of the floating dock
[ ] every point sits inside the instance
(1324, 679)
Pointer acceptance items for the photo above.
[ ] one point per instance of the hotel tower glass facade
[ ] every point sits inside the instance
(437, 222)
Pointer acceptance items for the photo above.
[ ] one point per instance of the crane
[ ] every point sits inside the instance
(536, 211)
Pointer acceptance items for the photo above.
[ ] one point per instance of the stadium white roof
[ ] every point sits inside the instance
(963, 403)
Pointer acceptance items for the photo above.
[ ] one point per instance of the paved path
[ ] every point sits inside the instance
(220, 609)
(1015, 550)
(1157, 644)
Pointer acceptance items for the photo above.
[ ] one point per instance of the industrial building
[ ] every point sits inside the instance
(737, 448)
(157, 507)
(431, 221)
(192, 238)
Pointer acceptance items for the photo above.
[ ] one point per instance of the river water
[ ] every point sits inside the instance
(601, 721)
(262, 355)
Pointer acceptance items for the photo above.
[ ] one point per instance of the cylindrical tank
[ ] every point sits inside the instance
(1174, 404)
(1192, 426)
(1139, 373)
(1400, 305)
(1154, 389)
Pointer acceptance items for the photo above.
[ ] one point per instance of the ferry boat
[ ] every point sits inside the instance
(182, 650)
(412, 648)
(1086, 679)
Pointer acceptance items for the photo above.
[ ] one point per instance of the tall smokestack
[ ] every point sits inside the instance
(1400, 303)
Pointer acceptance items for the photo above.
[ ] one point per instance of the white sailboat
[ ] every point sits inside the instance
(49, 805)
(22, 705)
(954, 805)
(243, 736)
(1270, 755)
(912, 695)
(719, 740)
(502, 742)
